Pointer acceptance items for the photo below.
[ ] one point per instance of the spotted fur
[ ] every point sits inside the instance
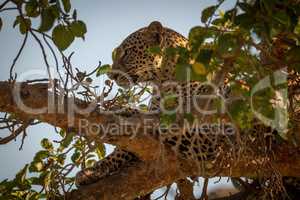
(132, 57)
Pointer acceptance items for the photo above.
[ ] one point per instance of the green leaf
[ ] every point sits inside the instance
(75, 156)
(31, 8)
(62, 37)
(103, 70)
(207, 13)
(44, 3)
(36, 166)
(55, 11)
(40, 155)
(17, 2)
(189, 117)
(268, 4)
(68, 139)
(204, 56)
(199, 68)
(47, 20)
(171, 51)
(78, 28)
(62, 133)
(297, 28)
(282, 17)
(143, 107)
(197, 36)
(61, 159)
(293, 56)
(21, 175)
(17, 21)
(1, 23)
(167, 119)
(240, 112)
(74, 15)
(227, 43)
(46, 144)
(245, 21)
(185, 72)
(245, 7)
(67, 5)
(218, 21)
(25, 25)
(47, 179)
(156, 50)
(100, 151)
(90, 163)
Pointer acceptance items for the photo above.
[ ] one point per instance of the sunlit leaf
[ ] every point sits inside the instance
(156, 50)
(21, 175)
(36, 166)
(67, 140)
(199, 68)
(46, 144)
(167, 119)
(75, 157)
(184, 72)
(100, 151)
(40, 155)
(103, 70)
(90, 163)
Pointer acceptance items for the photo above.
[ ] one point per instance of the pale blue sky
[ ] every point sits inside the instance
(108, 23)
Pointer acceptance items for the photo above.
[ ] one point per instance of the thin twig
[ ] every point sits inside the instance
(15, 133)
(43, 52)
(204, 189)
(3, 4)
(17, 57)
(6, 9)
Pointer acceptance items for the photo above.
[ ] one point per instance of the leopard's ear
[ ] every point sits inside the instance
(155, 30)
(155, 26)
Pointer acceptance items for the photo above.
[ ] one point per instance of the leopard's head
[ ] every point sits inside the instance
(132, 61)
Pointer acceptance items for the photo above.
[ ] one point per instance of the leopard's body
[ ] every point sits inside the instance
(133, 59)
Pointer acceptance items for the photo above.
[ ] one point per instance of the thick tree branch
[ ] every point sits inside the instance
(147, 176)
(36, 101)
(186, 190)
(158, 167)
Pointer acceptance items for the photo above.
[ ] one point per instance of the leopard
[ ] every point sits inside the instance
(134, 64)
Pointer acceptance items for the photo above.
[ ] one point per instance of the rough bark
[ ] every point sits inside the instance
(147, 176)
(157, 168)
(38, 96)
(186, 190)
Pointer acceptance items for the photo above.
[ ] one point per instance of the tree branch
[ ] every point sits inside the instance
(157, 168)
(35, 101)
(131, 181)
